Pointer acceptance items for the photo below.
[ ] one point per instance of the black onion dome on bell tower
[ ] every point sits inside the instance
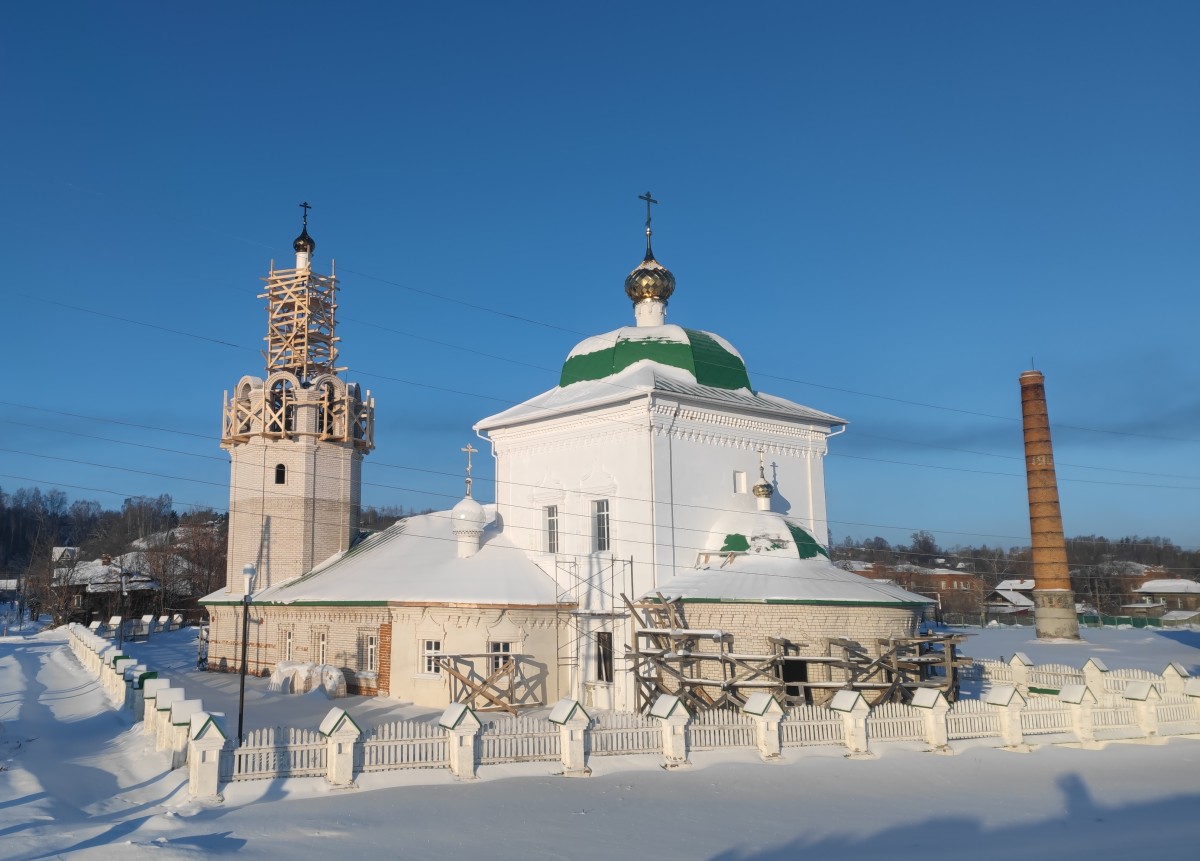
(304, 243)
(650, 280)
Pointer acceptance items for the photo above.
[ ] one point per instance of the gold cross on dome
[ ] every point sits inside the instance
(649, 200)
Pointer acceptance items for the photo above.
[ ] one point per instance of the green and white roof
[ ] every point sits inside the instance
(708, 358)
(766, 558)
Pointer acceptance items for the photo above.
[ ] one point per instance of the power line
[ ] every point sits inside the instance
(496, 481)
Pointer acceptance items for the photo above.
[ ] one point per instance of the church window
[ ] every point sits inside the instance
(322, 646)
(287, 645)
(372, 662)
(499, 652)
(604, 656)
(430, 653)
(282, 408)
(550, 516)
(601, 534)
(280, 474)
(739, 481)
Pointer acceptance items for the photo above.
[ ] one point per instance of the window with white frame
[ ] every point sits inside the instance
(370, 653)
(288, 637)
(499, 652)
(322, 646)
(431, 650)
(550, 522)
(601, 531)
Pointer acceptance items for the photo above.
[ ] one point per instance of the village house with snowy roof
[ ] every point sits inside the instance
(653, 472)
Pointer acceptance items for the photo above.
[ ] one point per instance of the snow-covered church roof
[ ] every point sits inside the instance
(764, 557)
(641, 378)
(415, 561)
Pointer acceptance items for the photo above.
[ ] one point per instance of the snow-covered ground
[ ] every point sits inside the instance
(79, 781)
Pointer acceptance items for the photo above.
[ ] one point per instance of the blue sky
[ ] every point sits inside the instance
(880, 204)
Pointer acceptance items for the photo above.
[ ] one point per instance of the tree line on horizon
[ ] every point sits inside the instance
(183, 553)
(1103, 570)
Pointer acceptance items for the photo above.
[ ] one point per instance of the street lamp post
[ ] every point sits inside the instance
(124, 578)
(248, 573)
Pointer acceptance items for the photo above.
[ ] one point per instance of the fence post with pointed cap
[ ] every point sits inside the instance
(854, 711)
(768, 716)
(674, 717)
(341, 734)
(207, 738)
(572, 722)
(1020, 664)
(934, 709)
(462, 732)
(1082, 701)
(1008, 702)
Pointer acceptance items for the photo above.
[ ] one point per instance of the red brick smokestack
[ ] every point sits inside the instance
(1053, 600)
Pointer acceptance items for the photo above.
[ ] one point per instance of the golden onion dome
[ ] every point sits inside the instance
(763, 489)
(650, 281)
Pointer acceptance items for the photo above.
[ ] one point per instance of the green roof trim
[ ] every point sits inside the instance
(704, 358)
(735, 543)
(807, 547)
(903, 604)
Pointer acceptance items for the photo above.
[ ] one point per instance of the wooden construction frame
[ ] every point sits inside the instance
(666, 660)
(505, 689)
(301, 322)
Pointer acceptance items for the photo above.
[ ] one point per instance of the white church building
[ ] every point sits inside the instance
(654, 472)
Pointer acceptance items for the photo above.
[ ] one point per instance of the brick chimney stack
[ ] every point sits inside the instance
(1053, 599)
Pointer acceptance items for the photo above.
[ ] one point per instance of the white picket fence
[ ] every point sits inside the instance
(518, 739)
(895, 722)
(403, 744)
(276, 752)
(1051, 703)
(1045, 715)
(619, 733)
(806, 726)
(972, 719)
(720, 728)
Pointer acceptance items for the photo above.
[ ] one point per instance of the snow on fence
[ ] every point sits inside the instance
(1044, 715)
(1177, 715)
(812, 725)
(278, 752)
(895, 722)
(720, 728)
(971, 719)
(403, 744)
(518, 739)
(1115, 681)
(1127, 704)
(619, 733)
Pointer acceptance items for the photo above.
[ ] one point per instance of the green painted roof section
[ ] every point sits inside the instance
(703, 357)
(807, 547)
(735, 543)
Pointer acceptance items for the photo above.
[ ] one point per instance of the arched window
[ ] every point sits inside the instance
(282, 408)
(280, 474)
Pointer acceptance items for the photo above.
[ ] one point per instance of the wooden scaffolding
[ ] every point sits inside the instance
(502, 687)
(301, 322)
(668, 657)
